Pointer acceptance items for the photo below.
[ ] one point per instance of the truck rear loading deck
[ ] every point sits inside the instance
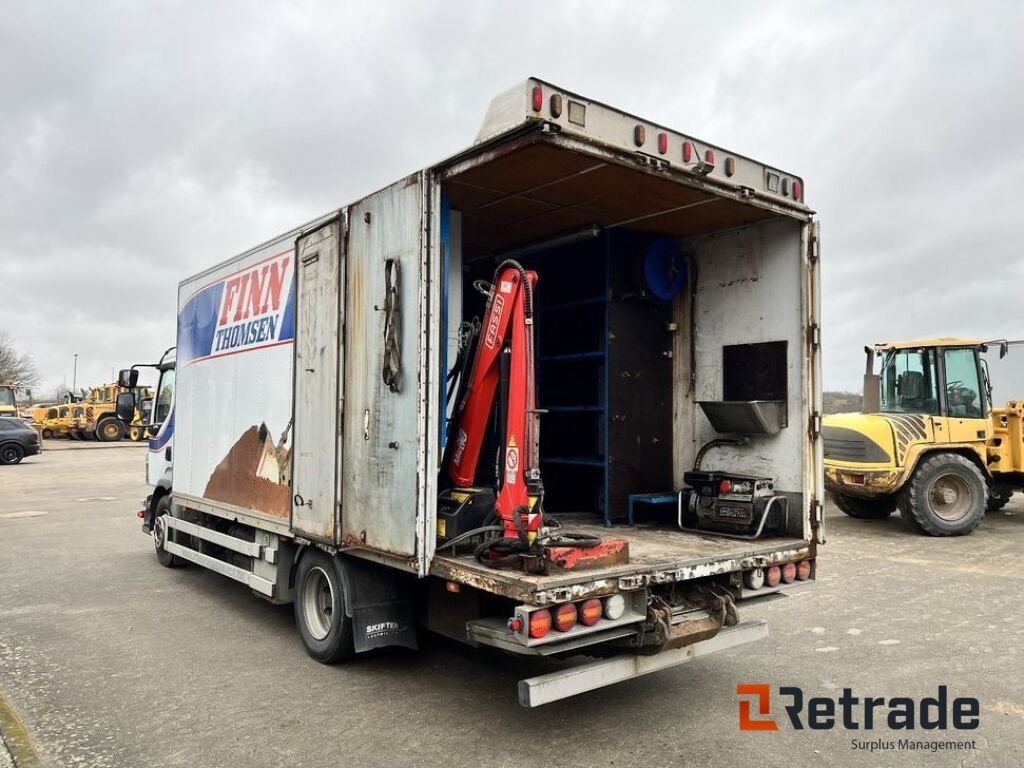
(675, 354)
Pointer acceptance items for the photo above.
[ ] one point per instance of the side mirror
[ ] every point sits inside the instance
(125, 407)
(127, 378)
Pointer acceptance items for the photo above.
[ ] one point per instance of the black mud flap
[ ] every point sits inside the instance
(380, 602)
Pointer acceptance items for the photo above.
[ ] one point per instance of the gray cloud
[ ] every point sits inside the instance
(141, 142)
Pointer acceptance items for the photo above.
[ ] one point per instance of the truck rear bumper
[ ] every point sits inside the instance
(543, 689)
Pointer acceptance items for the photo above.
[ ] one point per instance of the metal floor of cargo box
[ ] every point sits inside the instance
(658, 552)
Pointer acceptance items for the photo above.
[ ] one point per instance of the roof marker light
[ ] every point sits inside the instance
(555, 104)
(730, 166)
(538, 98)
(798, 190)
(639, 135)
(663, 143)
(687, 152)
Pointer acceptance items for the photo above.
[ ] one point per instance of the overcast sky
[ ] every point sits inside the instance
(143, 141)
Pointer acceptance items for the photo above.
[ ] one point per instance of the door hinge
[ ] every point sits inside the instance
(815, 424)
(814, 335)
(813, 247)
(817, 513)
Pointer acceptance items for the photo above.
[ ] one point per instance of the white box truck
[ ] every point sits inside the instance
(662, 356)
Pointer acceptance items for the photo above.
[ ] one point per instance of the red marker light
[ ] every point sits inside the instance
(773, 576)
(725, 487)
(709, 157)
(687, 152)
(803, 570)
(798, 190)
(663, 143)
(538, 98)
(515, 624)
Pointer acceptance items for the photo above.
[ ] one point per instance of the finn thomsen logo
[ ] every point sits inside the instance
(852, 713)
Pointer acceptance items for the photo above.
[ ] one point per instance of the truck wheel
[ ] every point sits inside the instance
(109, 430)
(945, 497)
(11, 453)
(999, 496)
(165, 558)
(865, 509)
(320, 608)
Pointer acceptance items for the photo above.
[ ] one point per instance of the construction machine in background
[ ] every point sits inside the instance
(9, 399)
(93, 416)
(929, 442)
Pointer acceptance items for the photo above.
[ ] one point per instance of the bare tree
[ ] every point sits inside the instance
(16, 368)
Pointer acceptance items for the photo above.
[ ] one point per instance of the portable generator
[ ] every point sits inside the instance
(737, 505)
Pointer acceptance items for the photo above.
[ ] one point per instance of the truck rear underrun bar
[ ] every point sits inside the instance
(543, 689)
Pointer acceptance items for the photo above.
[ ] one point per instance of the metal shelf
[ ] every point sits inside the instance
(582, 461)
(569, 356)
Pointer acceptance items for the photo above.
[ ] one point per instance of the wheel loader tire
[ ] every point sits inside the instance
(110, 429)
(865, 509)
(47, 434)
(135, 434)
(999, 496)
(946, 496)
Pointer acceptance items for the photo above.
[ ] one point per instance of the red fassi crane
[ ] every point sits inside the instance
(508, 330)
(509, 317)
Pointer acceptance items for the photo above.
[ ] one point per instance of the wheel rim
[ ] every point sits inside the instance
(158, 534)
(9, 454)
(950, 497)
(110, 431)
(317, 602)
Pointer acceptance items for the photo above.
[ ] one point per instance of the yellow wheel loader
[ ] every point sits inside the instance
(928, 441)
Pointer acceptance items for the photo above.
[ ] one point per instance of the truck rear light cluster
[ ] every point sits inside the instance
(563, 618)
(786, 573)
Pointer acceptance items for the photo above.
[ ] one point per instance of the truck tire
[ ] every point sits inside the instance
(12, 453)
(110, 429)
(999, 496)
(946, 496)
(320, 608)
(865, 509)
(159, 533)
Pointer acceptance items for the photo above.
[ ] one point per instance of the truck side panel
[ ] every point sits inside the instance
(233, 400)
(381, 477)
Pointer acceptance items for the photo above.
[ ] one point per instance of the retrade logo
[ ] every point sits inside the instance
(762, 696)
(854, 713)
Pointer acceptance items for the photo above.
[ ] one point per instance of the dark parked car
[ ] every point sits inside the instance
(17, 440)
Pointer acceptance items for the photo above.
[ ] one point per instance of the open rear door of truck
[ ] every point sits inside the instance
(389, 371)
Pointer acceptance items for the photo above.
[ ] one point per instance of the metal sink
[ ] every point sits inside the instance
(745, 417)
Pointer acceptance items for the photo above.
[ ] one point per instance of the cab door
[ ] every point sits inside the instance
(965, 408)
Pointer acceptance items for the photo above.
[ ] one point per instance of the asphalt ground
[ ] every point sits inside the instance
(107, 659)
